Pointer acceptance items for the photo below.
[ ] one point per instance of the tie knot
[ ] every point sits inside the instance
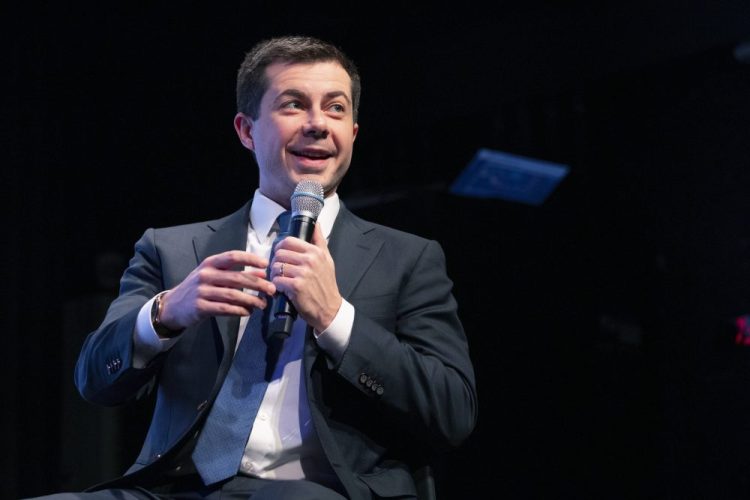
(281, 226)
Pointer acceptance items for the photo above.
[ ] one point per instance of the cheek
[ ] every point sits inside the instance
(268, 147)
(345, 139)
(285, 129)
(275, 133)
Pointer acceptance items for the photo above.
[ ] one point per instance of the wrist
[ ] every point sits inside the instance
(157, 309)
(324, 322)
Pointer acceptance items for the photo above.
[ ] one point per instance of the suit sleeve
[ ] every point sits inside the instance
(408, 348)
(104, 372)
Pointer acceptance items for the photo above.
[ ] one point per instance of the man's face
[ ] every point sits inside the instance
(305, 128)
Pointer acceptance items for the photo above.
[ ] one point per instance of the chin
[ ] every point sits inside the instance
(312, 177)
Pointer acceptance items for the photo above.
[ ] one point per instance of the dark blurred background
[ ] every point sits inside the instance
(600, 322)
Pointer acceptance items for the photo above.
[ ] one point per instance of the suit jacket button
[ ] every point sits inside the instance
(369, 382)
(362, 378)
(380, 390)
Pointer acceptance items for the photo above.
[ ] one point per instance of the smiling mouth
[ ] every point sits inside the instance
(312, 155)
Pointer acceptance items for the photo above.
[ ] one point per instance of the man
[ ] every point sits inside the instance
(376, 371)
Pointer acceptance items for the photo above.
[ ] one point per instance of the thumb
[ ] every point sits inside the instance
(318, 239)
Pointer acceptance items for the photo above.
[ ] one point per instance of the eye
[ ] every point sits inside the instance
(292, 105)
(337, 108)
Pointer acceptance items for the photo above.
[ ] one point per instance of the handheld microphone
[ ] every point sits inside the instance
(307, 203)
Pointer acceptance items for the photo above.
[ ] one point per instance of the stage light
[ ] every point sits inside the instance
(742, 331)
(496, 174)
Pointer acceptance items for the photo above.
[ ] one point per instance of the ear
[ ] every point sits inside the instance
(243, 125)
(356, 129)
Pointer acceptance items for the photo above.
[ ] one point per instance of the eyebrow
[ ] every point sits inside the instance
(301, 95)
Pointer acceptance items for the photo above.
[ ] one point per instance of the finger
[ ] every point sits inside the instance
(210, 308)
(234, 258)
(229, 296)
(258, 281)
(292, 244)
(318, 239)
(282, 270)
(253, 279)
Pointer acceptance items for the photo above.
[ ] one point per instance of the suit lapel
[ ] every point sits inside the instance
(353, 247)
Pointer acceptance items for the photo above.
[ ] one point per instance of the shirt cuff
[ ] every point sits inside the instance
(146, 342)
(335, 339)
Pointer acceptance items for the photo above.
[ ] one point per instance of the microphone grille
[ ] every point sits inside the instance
(307, 198)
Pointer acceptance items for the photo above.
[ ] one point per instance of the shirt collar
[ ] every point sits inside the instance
(264, 211)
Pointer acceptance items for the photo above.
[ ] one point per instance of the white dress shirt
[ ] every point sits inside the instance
(282, 443)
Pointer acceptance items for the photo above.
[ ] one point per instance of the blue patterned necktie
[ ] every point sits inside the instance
(222, 441)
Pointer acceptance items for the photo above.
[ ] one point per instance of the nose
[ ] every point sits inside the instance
(316, 126)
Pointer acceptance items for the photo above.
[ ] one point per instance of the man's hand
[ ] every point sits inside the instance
(308, 278)
(214, 288)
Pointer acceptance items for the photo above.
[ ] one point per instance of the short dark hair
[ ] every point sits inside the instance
(251, 77)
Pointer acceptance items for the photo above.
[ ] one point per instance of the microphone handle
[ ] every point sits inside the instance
(284, 313)
(301, 226)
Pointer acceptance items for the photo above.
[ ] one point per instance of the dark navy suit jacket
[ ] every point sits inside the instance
(404, 386)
